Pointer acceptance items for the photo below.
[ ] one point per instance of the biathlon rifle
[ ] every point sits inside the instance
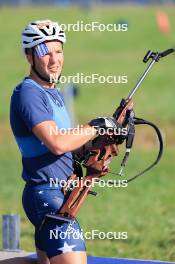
(98, 157)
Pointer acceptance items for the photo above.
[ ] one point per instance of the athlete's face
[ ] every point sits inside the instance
(51, 64)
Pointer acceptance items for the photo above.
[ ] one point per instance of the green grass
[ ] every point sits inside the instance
(145, 209)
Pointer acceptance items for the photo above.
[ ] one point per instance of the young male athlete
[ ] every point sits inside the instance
(37, 108)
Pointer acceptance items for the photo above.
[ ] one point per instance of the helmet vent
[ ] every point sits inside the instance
(30, 35)
(44, 32)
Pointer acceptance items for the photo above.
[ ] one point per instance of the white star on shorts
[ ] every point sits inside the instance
(58, 228)
(66, 248)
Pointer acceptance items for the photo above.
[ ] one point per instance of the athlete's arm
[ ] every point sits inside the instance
(59, 142)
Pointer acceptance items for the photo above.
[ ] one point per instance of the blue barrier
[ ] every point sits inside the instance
(102, 260)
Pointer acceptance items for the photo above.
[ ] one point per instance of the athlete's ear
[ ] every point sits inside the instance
(29, 59)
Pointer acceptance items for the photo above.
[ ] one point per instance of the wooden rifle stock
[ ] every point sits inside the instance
(98, 160)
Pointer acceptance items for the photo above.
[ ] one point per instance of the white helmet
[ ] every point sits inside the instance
(40, 31)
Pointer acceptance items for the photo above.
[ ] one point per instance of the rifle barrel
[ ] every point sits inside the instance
(155, 57)
(141, 79)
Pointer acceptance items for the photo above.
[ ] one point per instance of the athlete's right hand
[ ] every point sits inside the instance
(102, 152)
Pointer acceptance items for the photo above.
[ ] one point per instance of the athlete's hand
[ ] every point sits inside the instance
(102, 152)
